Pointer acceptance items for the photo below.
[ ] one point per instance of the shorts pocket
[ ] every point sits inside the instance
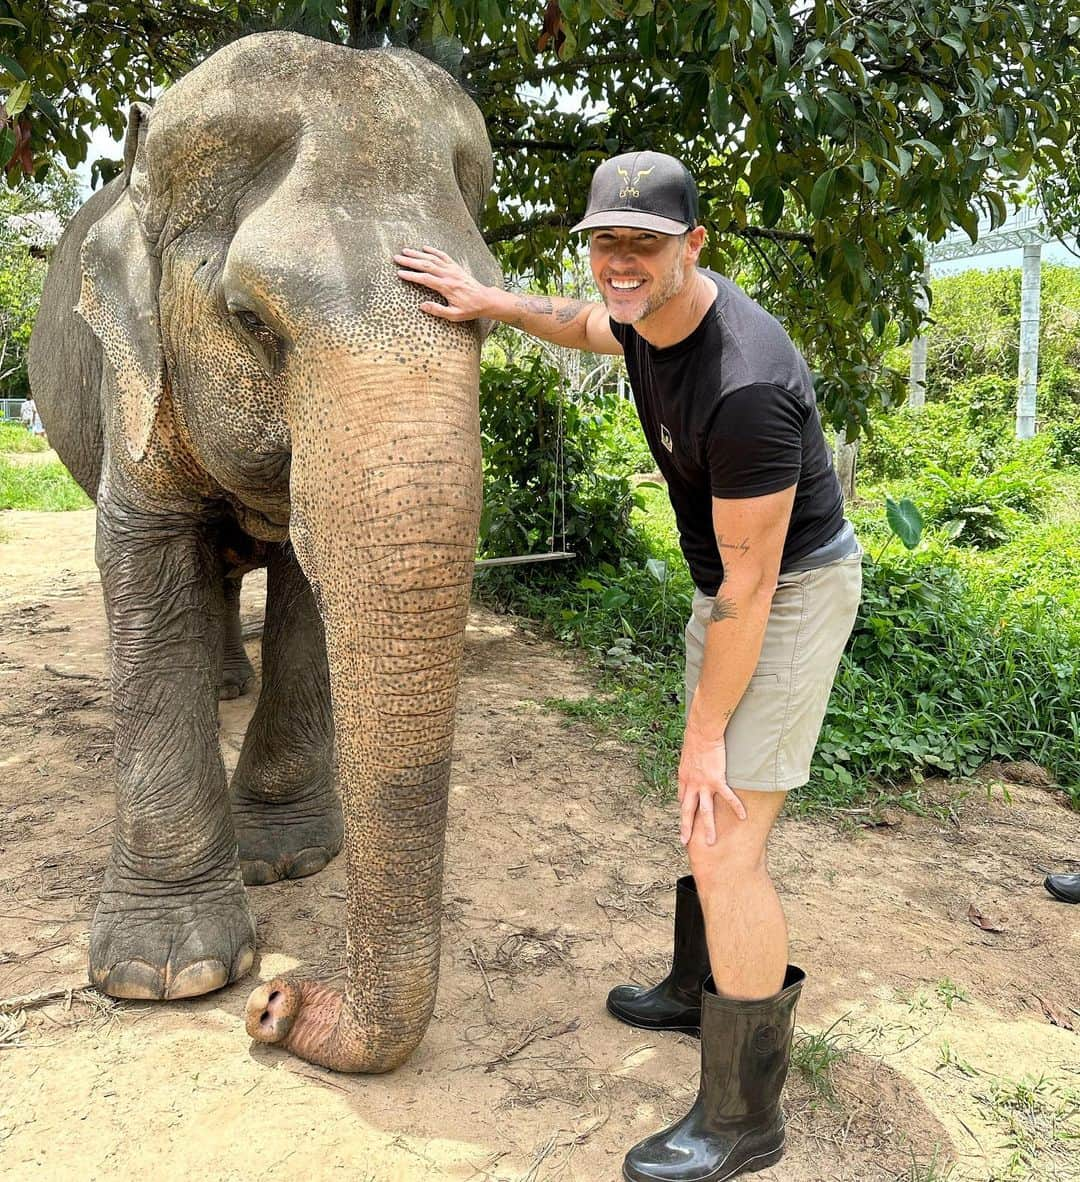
(768, 677)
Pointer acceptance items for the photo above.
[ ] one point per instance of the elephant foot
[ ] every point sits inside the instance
(237, 678)
(157, 941)
(287, 839)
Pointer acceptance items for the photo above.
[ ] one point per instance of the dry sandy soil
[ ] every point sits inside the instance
(557, 886)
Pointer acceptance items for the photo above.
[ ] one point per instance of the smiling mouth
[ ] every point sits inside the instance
(625, 284)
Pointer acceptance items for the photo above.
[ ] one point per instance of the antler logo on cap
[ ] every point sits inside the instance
(630, 189)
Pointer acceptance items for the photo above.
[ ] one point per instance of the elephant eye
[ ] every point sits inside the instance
(252, 324)
(264, 341)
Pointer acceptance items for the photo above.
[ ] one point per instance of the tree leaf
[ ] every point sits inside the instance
(819, 195)
(17, 99)
(1009, 122)
(937, 107)
(840, 103)
(850, 64)
(12, 67)
(7, 145)
(658, 568)
(982, 921)
(904, 520)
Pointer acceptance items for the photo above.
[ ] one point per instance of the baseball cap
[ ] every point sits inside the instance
(643, 191)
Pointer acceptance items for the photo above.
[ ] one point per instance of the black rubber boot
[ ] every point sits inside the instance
(1065, 887)
(674, 1004)
(736, 1125)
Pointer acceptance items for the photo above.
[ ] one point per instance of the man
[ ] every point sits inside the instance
(727, 406)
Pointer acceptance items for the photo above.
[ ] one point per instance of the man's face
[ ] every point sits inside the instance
(638, 271)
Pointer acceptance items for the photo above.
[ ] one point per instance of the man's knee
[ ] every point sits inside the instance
(740, 846)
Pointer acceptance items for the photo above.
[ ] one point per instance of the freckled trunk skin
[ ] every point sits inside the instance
(386, 494)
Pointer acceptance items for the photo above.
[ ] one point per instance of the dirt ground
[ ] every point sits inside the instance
(942, 979)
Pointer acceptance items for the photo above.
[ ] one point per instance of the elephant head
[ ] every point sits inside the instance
(266, 356)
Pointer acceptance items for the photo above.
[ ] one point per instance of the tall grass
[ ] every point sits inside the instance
(15, 437)
(46, 486)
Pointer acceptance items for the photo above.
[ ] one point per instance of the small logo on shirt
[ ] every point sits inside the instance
(665, 438)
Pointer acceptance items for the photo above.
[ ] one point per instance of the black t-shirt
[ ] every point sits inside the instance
(730, 412)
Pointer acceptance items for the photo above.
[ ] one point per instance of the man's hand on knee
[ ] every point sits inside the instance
(703, 786)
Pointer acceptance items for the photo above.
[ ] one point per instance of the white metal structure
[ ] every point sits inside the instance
(1027, 230)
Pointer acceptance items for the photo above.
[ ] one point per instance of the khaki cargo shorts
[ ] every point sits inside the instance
(772, 734)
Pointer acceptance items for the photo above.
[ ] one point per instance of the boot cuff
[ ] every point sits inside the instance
(793, 983)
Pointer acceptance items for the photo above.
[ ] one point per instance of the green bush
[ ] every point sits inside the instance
(939, 679)
(986, 397)
(39, 486)
(543, 467)
(982, 511)
(907, 442)
(1063, 450)
(976, 327)
(623, 449)
(1058, 394)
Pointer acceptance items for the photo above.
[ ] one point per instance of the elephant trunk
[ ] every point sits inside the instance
(386, 495)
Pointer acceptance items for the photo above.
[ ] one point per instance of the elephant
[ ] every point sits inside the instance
(227, 360)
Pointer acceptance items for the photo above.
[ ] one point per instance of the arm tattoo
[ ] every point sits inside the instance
(541, 305)
(722, 609)
(570, 311)
(743, 547)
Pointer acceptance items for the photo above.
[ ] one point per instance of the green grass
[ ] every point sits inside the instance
(1039, 560)
(933, 1170)
(46, 486)
(815, 1054)
(15, 437)
(1039, 1122)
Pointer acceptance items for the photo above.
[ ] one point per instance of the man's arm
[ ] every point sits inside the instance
(575, 324)
(750, 534)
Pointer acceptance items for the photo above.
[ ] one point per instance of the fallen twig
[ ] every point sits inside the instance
(483, 972)
(327, 1083)
(532, 1036)
(36, 952)
(70, 676)
(9, 1005)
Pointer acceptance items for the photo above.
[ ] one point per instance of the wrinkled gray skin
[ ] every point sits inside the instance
(253, 383)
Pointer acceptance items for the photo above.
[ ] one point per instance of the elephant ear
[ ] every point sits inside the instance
(119, 298)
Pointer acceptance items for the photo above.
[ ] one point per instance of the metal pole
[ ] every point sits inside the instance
(917, 376)
(1028, 374)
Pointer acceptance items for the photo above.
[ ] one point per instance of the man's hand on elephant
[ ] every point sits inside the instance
(466, 298)
(703, 778)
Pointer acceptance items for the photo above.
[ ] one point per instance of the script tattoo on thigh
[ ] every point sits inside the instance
(722, 609)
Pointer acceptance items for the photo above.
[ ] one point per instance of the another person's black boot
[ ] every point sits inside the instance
(674, 1004)
(1065, 887)
(736, 1125)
